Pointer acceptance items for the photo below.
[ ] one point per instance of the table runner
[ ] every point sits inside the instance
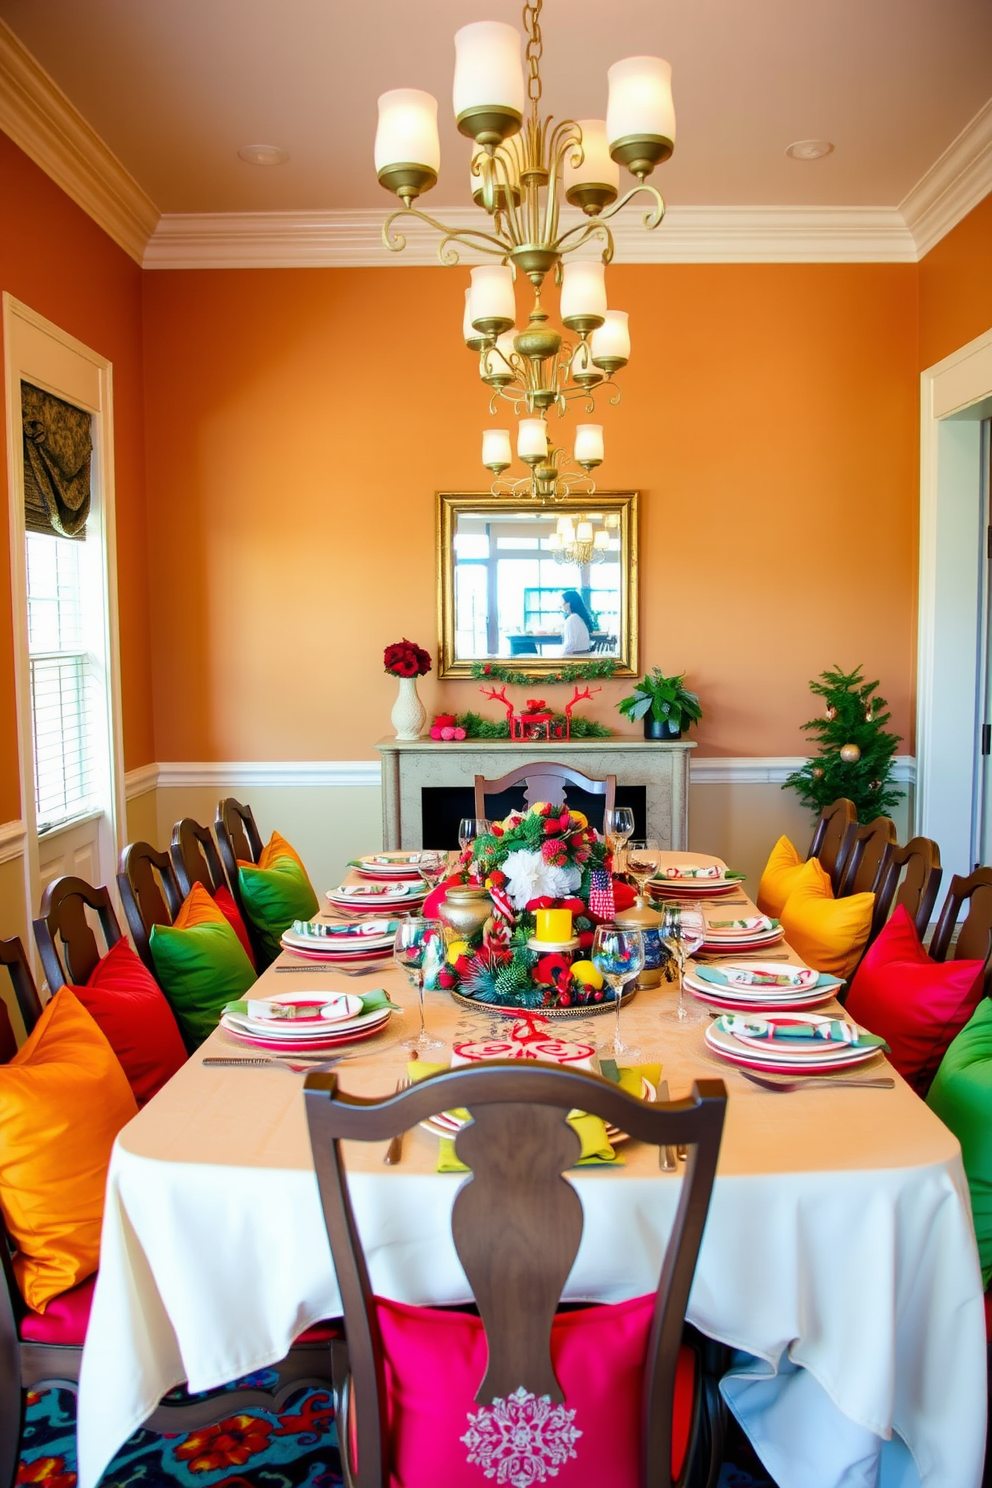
(839, 1253)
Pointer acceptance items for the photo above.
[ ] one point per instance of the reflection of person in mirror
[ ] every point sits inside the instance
(577, 630)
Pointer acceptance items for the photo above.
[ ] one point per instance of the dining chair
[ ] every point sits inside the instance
(238, 840)
(868, 853)
(516, 1227)
(12, 956)
(544, 781)
(605, 644)
(832, 838)
(195, 857)
(974, 935)
(150, 894)
(910, 877)
(63, 934)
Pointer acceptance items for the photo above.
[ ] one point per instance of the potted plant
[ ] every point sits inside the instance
(666, 707)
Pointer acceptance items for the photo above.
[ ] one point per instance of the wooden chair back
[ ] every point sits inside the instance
(516, 1226)
(66, 943)
(832, 838)
(12, 956)
(867, 855)
(150, 893)
(974, 940)
(237, 838)
(195, 857)
(911, 877)
(544, 780)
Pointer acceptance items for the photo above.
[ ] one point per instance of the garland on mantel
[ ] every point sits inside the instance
(478, 727)
(577, 671)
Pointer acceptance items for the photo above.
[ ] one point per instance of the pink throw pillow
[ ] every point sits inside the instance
(224, 901)
(124, 999)
(918, 1005)
(435, 1362)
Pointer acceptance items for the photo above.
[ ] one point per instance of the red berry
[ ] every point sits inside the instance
(564, 999)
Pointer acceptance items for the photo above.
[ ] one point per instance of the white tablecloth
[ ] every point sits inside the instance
(839, 1255)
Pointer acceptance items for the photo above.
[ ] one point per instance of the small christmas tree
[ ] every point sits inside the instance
(855, 750)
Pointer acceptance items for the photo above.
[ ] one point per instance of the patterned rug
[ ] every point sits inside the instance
(257, 1449)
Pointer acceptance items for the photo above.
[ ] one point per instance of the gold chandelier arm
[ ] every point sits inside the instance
(651, 219)
(469, 237)
(565, 137)
(503, 166)
(595, 227)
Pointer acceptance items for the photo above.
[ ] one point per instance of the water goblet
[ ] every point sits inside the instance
(641, 863)
(418, 950)
(618, 955)
(432, 866)
(471, 827)
(682, 930)
(618, 825)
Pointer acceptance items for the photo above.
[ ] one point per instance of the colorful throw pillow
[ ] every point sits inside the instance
(435, 1362)
(917, 1004)
(125, 1000)
(275, 891)
(63, 1099)
(200, 964)
(779, 878)
(224, 901)
(961, 1095)
(827, 933)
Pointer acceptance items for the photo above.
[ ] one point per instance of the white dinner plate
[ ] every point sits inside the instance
(730, 1047)
(338, 1033)
(724, 998)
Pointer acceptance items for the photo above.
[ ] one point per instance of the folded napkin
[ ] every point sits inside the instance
(317, 930)
(371, 890)
(748, 926)
(801, 978)
(690, 870)
(385, 861)
(372, 1002)
(827, 1030)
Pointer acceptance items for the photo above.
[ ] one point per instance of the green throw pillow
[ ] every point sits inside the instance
(275, 892)
(961, 1095)
(200, 969)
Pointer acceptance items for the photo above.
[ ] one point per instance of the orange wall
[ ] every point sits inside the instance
(956, 286)
(298, 423)
(54, 258)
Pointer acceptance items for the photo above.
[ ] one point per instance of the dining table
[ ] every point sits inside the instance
(838, 1263)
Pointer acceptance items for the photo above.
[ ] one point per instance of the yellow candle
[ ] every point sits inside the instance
(553, 924)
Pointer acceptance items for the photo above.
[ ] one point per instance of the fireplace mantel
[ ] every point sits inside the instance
(410, 766)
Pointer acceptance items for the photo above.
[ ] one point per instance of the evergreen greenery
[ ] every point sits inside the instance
(855, 715)
(478, 727)
(574, 671)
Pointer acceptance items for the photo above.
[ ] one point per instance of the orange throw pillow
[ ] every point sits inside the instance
(779, 878)
(63, 1099)
(828, 933)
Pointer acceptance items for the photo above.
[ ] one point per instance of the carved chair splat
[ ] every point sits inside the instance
(195, 857)
(150, 893)
(832, 838)
(63, 922)
(545, 780)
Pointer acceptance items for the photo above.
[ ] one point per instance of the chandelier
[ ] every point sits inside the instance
(580, 543)
(551, 476)
(520, 169)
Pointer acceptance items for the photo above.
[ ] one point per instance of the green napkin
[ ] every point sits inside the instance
(828, 1030)
(720, 979)
(372, 1002)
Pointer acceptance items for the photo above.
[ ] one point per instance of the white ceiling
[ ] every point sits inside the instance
(176, 87)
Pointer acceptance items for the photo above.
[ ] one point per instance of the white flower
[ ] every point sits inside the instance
(528, 877)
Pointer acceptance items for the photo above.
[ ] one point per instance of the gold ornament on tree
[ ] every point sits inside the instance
(850, 754)
(818, 772)
(831, 712)
(869, 715)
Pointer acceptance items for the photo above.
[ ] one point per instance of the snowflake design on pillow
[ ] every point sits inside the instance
(522, 1440)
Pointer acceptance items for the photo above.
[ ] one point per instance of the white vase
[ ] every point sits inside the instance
(409, 714)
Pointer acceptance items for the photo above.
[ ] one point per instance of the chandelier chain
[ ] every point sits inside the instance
(535, 48)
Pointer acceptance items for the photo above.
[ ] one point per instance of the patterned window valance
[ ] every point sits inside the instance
(58, 443)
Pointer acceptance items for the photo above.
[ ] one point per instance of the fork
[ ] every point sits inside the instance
(769, 1083)
(395, 1149)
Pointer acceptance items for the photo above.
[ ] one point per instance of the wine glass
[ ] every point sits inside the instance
(641, 863)
(432, 866)
(618, 825)
(682, 930)
(471, 827)
(418, 949)
(618, 955)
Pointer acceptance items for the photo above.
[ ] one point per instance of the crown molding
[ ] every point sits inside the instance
(953, 185)
(39, 118)
(353, 238)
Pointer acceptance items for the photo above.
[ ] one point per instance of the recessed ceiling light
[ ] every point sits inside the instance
(809, 149)
(263, 154)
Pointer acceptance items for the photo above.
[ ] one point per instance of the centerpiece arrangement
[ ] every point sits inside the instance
(522, 911)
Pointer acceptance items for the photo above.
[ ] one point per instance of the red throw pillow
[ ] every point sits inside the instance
(124, 999)
(918, 1005)
(435, 1362)
(224, 901)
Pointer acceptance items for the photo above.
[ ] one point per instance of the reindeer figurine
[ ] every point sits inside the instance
(538, 721)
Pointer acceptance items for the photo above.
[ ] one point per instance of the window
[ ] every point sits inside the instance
(62, 683)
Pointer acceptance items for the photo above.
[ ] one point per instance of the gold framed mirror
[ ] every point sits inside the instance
(536, 586)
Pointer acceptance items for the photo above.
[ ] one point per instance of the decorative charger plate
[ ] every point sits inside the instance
(736, 1051)
(591, 1009)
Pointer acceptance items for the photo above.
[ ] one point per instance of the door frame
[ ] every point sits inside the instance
(39, 351)
(956, 395)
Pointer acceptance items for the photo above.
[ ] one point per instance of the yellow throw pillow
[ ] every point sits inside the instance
(828, 933)
(63, 1099)
(779, 878)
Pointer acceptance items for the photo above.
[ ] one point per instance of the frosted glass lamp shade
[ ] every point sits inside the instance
(488, 92)
(610, 344)
(583, 295)
(477, 186)
(532, 440)
(407, 148)
(583, 532)
(473, 340)
(498, 369)
(554, 542)
(595, 183)
(494, 307)
(640, 114)
(589, 444)
(601, 541)
(496, 454)
(566, 529)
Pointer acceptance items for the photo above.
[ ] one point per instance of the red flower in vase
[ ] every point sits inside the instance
(406, 659)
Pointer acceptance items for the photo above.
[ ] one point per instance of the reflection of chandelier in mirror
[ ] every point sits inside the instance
(519, 171)
(580, 542)
(551, 477)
